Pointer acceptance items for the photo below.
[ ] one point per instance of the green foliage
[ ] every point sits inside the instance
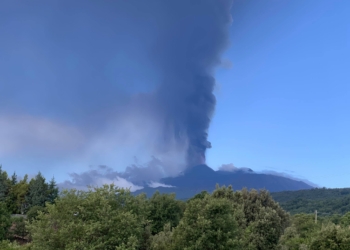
(18, 227)
(34, 211)
(324, 200)
(103, 218)
(20, 191)
(331, 237)
(5, 185)
(130, 245)
(162, 240)
(333, 218)
(7, 245)
(113, 218)
(164, 208)
(9, 191)
(305, 224)
(5, 221)
(201, 195)
(38, 191)
(19, 196)
(14, 179)
(11, 197)
(307, 234)
(261, 220)
(291, 239)
(345, 220)
(300, 233)
(52, 192)
(11, 201)
(208, 223)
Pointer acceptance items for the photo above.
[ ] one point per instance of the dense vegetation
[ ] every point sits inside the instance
(112, 218)
(324, 200)
(21, 196)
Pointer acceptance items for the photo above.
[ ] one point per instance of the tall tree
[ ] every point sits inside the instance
(20, 191)
(4, 221)
(14, 179)
(4, 185)
(11, 196)
(38, 189)
(52, 192)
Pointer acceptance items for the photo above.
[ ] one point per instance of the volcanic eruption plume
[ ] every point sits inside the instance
(110, 80)
(194, 33)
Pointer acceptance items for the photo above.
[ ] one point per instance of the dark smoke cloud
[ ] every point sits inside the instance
(119, 73)
(195, 33)
(140, 174)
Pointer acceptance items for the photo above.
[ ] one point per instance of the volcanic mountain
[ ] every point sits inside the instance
(201, 177)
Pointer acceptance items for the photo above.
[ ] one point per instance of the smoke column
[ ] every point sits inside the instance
(189, 47)
(84, 80)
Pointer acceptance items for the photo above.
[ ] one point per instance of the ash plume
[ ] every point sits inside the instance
(117, 78)
(195, 34)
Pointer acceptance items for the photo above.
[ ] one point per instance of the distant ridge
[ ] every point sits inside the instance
(326, 201)
(201, 177)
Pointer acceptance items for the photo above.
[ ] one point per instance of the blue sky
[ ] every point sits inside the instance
(282, 105)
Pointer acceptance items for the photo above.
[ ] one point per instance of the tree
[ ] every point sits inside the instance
(331, 237)
(4, 185)
(261, 219)
(208, 223)
(291, 240)
(33, 212)
(7, 245)
(5, 221)
(20, 191)
(37, 193)
(52, 191)
(11, 201)
(164, 208)
(345, 220)
(18, 227)
(305, 225)
(101, 218)
(163, 240)
(14, 179)
(200, 195)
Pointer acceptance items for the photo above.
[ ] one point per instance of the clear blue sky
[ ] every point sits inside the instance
(283, 105)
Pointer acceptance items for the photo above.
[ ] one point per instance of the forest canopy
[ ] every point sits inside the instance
(110, 217)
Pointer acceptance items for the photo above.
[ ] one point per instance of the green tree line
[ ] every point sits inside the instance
(325, 200)
(19, 196)
(110, 217)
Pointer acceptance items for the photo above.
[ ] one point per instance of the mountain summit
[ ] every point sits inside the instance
(199, 178)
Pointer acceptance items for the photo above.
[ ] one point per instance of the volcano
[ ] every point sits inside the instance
(203, 178)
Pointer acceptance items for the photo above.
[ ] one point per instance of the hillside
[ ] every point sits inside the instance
(201, 177)
(324, 200)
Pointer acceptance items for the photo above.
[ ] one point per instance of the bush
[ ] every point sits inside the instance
(104, 218)
(34, 211)
(331, 237)
(7, 245)
(18, 227)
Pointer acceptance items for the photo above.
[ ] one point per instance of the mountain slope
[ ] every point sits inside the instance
(325, 200)
(199, 178)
